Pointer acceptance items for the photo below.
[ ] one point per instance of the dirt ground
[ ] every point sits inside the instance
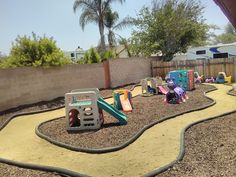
(210, 150)
(13, 171)
(44, 105)
(146, 111)
(6, 170)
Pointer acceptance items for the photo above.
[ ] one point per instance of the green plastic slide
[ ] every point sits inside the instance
(113, 111)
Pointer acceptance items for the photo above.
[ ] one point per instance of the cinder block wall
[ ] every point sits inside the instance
(30, 85)
(126, 71)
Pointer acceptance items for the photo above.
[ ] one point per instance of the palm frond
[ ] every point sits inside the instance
(110, 18)
(126, 22)
(88, 16)
(84, 4)
(107, 3)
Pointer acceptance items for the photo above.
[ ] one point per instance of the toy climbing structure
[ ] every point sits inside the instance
(82, 111)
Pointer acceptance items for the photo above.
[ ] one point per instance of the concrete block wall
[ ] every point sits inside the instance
(28, 85)
(126, 71)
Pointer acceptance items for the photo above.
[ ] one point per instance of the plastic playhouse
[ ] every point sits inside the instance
(84, 110)
(152, 86)
(182, 78)
(125, 103)
(149, 86)
(222, 78)
(176, 94)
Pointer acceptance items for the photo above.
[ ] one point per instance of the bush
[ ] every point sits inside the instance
(109, 54)
(91, 56)
(35, 51)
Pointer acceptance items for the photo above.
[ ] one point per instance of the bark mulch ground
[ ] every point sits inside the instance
(146, 111)
(13, 171)
(44, 105)
(210, 150)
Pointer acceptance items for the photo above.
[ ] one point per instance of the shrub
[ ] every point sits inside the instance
(35, 51)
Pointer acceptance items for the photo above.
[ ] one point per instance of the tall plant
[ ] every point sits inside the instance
(94, 11)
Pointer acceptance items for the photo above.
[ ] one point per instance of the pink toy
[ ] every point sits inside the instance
(210, 80)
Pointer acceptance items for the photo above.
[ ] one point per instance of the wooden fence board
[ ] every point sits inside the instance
(208, 68)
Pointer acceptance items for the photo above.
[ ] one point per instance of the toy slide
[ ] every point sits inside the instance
(126, 106)
(113, 111)
(162, 90)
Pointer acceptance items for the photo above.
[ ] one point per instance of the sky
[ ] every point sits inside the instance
(56, 18)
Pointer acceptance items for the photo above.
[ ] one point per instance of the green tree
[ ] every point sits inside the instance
(109, 54)
(35, 51)
(91, 56)
(228, 36)
(126, 43)
(94, 11)
(112, 24)
(169, 27)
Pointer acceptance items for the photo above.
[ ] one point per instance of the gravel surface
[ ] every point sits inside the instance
(13, 171)
(146, 110)
(210, 150)
(44, 105)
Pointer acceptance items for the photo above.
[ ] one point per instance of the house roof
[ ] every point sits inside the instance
(228, 7)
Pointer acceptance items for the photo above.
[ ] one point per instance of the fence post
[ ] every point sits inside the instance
(204, 68)
(234, 69)
(153, 67)
(209, 68)
(225, 65)
(107, 74)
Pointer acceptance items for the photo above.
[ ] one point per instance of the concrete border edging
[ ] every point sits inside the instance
(231, 93)
(65, 172)
(60, 171)
(182, 143)
(125, 144)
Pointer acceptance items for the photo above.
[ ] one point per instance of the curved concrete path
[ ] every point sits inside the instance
(157, 147)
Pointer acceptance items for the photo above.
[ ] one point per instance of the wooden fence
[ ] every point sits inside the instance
(208, 68)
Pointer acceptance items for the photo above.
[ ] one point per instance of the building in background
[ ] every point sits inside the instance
(76, 54)
(212, 51)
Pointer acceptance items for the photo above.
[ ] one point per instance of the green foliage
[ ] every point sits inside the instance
(94, 12)
(112, 24)
(35, 51)
(169, 27)
(91, 56)
(228, 36)
(109, 54)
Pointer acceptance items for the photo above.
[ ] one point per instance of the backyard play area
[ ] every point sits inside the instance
(173, 126)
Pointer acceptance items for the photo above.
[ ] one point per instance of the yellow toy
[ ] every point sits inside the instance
(227, 79)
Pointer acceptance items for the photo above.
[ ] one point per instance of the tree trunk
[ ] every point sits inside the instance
(102, 46)
(110, 40)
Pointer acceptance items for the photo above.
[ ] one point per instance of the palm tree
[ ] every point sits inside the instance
(93, 11)
(112, 24)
